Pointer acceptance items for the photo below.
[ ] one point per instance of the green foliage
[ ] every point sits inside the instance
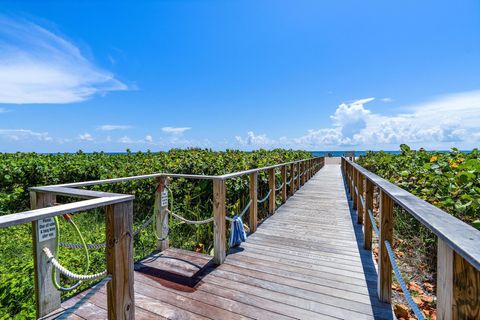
(448, 180)
(192, 199)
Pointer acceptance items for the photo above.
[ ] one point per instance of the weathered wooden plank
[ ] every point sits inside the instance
(119, 252)
(306, 261)
(47, 297)
(284, 184)
(461, 237)
(466, 289)
(444, 281)
(219, 229)
(162, 216)
(271, 186)
(292, 180)
(386, 234)
(360, 208)
(367, 235)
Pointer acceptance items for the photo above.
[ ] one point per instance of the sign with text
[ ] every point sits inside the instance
(46, 229)
(164, 198)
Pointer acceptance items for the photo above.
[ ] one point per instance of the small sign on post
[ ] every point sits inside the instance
(46, 229)
(164, 198)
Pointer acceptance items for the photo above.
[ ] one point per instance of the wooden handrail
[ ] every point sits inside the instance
(119, 223)
(458, 262)
(462, 237)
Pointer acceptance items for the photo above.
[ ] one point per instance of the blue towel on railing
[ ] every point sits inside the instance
(237, 233)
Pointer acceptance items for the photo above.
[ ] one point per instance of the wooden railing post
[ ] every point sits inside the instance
(298, 175)
(354, 185)
(350, 181)
(219, 210)
(119, 252)
(44, 235)
(367, 237)
(386, 234)
(303, 172)
(359, 201)
(458, 285)
(292, 180)
(161, 210)
(254, 197)
(284, 184)
(271, 185)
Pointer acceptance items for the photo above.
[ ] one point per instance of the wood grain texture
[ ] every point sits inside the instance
(119, 252)
(304, 262)
(271, 186)
(466, 289)
(292, 181)
(359, 200)
(284, 183)
(386, 234)
(161, 214)
(47, 297)
(367, 237)
(298, 176)
(461, 237)
(219, 228)
(444, 281)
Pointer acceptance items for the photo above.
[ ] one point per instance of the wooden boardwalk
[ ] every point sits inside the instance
(305, 262)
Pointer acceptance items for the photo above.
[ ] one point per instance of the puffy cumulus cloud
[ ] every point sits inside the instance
(148, 139)
(254, 140)
(24, 134)
(40, 66)
(175, 130)
(443, 122)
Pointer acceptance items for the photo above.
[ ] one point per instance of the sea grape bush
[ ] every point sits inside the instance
(448, 180)
(191, 198)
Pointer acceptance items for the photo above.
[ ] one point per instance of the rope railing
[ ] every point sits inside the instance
(68, 273)
(198, 222)
(374, 224)
(391, 255)
(400, 280)
(266, 197)
(245, 209)
(280, 187)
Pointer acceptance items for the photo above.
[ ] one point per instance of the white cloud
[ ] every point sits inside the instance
(39, 66)
(175, 131)
(24, 134)
(443, 122)
(253, 139)
(126, 140)
(111, 127)
(86, 137)
(387, 99)
(149, 139)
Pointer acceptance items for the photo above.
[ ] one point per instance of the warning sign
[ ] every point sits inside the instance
(164, 198)
(46, 229)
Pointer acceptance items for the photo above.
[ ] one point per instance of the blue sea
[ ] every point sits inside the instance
(342, 153)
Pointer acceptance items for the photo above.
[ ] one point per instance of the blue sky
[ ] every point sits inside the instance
(317, 75)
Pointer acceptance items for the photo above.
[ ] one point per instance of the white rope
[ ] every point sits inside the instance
(191, 221)
(243, 211)
(280, 187)
(69, 274)
(266, 197)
